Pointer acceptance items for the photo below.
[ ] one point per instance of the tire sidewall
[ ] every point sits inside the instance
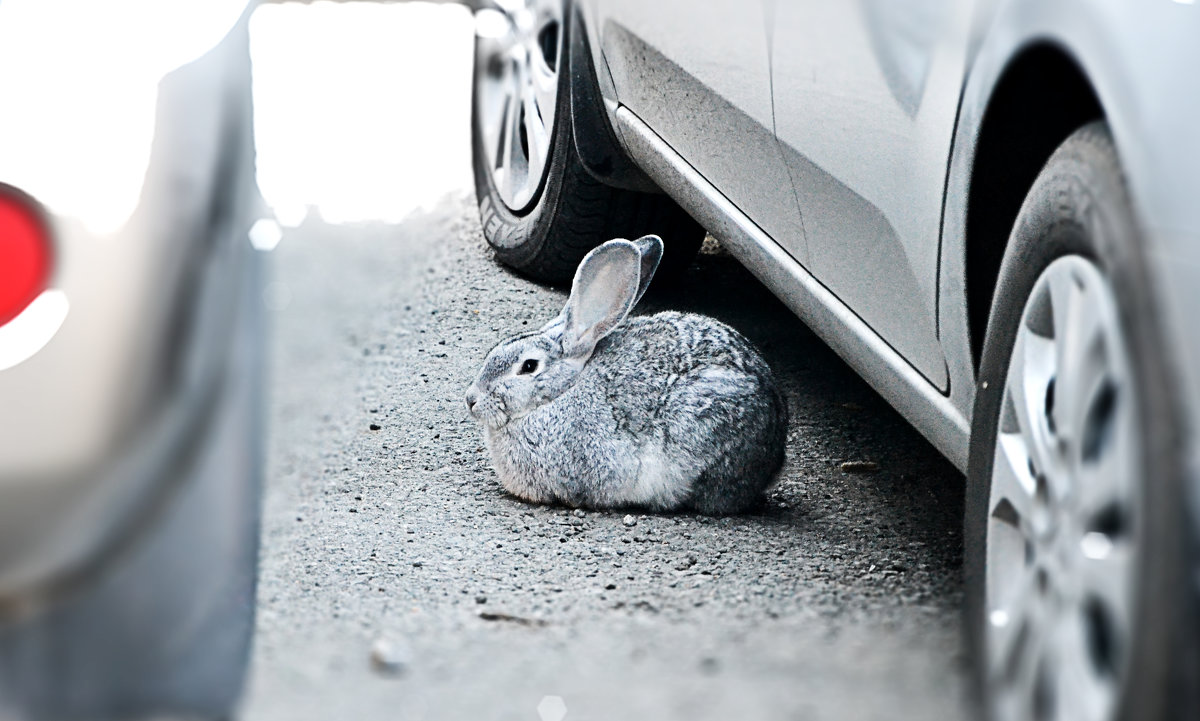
(1079, 205)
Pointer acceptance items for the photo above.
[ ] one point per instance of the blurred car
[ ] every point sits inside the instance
(130, 352)
(987, 208)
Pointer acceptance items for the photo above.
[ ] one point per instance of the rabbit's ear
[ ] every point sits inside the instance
(651, 248)
(605, 289)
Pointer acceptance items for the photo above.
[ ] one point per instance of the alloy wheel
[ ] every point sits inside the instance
(519, 47)
(1063, 512)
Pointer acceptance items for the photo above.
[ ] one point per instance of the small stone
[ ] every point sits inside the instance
(578, 513)
(629, 521)
(388, 659)
(481, 599)
(374, 426)
(552, 708)
(859, 467)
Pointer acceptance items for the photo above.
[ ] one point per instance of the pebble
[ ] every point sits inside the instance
(388, 659)
(578, 513)
(859, 467)
(629, 521)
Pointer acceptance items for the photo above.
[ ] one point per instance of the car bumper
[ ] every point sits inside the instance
(97, 420)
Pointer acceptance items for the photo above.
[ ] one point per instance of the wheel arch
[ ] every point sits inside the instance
(596, 142)
(1036, 72)
(1012, 146)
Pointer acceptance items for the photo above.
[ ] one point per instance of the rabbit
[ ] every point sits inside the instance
(664, 412)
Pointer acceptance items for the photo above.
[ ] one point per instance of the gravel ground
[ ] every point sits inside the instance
(400, 581)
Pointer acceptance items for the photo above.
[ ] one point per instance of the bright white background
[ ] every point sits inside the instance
(362, 109)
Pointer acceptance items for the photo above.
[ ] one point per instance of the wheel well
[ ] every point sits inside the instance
(1042, 97)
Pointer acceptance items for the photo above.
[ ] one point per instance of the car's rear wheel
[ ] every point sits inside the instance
(1075, 545)
(541, 210)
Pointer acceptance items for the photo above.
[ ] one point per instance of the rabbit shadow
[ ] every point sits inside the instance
(909, 493)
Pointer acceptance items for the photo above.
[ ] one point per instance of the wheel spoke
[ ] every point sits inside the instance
(494, 101)
(1078, 335)
(544, 82)
(1013, 487)
(519, 48)
(1029, 374)
(1014, 620)
(536, 134)
(1021, 661)
(512, 159)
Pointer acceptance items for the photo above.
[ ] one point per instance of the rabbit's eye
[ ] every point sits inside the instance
(529, 366)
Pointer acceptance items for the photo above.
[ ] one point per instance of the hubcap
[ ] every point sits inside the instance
(1064, 512)
(519, 45)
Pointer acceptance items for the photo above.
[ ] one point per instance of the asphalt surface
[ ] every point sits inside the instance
(400, 581)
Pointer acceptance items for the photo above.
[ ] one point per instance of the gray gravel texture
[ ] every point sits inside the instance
(399, 581)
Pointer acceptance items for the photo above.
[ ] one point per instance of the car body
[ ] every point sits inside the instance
(129, 386)
(868, 162)
(912, 339)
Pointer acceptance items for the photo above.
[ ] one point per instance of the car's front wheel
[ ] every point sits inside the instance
(541, 210)
(1075, 545)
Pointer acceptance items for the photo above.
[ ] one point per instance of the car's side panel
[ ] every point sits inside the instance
(1133, 57)
(890, 374)
(865, 100)
(699, 74)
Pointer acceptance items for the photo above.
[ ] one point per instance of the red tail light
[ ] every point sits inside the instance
(26, 254)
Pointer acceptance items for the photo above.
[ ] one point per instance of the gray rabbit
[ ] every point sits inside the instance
(667, 411)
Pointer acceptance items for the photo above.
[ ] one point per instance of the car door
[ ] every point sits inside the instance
(699, 74)
(865, 96)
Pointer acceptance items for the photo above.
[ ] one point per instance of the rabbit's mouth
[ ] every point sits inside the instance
(490, 414)
(496, 420)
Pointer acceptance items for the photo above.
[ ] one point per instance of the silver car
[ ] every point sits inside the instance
(991, 210)
(130, 347)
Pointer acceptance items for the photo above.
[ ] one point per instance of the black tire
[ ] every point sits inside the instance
(1080, 205)
(573, 212)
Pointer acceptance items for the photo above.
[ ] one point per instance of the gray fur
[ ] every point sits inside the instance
(667, 411)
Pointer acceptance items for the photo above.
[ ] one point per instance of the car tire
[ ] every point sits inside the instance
(559, 214)
(1077, 216)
